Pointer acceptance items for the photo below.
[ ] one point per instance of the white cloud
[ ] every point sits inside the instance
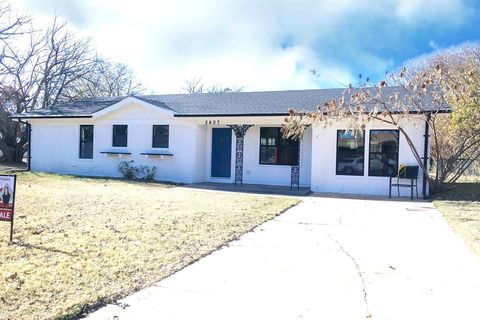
(431, 11)
(260, 45)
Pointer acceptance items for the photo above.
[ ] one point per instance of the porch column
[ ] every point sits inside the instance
(295, 171)
(239, 131)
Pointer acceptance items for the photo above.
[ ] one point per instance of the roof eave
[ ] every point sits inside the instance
(202, 115)
(49, 117)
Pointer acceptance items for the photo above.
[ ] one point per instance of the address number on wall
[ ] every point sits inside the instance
(212, 121)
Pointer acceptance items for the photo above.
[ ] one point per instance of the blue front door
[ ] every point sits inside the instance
(221, 152)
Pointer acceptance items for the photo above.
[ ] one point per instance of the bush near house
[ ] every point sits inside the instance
(82, 242)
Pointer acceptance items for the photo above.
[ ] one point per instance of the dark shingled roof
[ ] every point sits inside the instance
(209, 104)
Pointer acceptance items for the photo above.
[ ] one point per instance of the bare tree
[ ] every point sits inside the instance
(50, 65)
(106, 79)
(10, 27)
(36, 76)
(220, 89)
(196, 85)
(425, 95)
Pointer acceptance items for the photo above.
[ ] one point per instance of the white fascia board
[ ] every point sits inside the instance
(128, 101)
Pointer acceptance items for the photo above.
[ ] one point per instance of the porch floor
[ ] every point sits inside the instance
(251, 188)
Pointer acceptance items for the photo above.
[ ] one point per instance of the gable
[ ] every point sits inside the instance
(132, 108)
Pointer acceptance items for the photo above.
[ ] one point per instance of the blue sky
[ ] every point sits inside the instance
(264, 45)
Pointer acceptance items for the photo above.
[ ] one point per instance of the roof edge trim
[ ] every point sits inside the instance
(232, 115)
(48, 117)
(128, 100)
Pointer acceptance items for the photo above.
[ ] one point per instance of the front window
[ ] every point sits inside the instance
(160, 136)
(120, 134)
(383, 158)
(86, 141)
(350, 152)
(274, 149)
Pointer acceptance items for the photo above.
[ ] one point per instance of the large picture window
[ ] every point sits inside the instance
(160, 136)
(350, 153)
(383, 153)
(274, 149)
(120, 134)
(86, 141)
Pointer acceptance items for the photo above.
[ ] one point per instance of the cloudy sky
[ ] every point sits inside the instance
(264, 44)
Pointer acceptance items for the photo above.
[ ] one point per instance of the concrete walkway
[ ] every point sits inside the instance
(326, 258)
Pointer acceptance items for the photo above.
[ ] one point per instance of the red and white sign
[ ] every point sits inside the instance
(7, 200)
(5, 214)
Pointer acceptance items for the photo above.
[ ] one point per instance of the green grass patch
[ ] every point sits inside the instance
(79, 242)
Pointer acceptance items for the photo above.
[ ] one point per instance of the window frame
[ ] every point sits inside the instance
(277, 146)
(113, 136)
(336, 157)
(80, 156)
(370, 152)
(153, 136)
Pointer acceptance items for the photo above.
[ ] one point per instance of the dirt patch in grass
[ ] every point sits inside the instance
(79, 242)
(461, 207)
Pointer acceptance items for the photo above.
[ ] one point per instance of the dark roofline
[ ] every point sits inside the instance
(211, 115)
(285, 114)
(49, 117)
(231, 115)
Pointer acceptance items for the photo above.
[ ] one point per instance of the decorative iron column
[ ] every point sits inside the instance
(239, 131)
(295, 172)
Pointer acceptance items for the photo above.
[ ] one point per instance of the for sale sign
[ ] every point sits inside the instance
(7, 200)
(6, 215)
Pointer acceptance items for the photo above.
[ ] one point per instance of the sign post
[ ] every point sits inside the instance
(7, 200)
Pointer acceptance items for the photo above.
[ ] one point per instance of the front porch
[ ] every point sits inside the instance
(252, 152)
(252, 188)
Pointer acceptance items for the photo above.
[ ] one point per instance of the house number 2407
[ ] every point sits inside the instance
(212, 121)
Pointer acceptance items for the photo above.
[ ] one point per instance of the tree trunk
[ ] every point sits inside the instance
(13, 142)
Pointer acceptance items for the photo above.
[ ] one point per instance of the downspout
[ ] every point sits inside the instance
(426, 157)
(29, 137)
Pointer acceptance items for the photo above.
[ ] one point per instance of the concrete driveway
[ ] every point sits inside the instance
(326, 258)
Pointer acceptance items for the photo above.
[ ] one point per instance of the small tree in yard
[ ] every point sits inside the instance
(456, 137)
(426, 94)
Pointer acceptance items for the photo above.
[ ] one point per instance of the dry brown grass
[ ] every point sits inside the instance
(79, 242)
(461, 207)
(464, 218)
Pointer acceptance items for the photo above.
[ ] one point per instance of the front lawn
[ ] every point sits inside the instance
(461, 207)
(80, 242)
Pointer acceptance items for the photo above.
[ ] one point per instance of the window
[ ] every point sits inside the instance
(383, 157)
(274, 149)
(120, 134)
(160, 136)
(350, 153)
(86, 141)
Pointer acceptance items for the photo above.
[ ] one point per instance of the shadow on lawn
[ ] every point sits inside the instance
(461, 191)
(37, 247)
(11, 168)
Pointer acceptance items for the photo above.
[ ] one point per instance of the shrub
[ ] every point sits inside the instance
(127, 170)
(131, 172)
(146, 173)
